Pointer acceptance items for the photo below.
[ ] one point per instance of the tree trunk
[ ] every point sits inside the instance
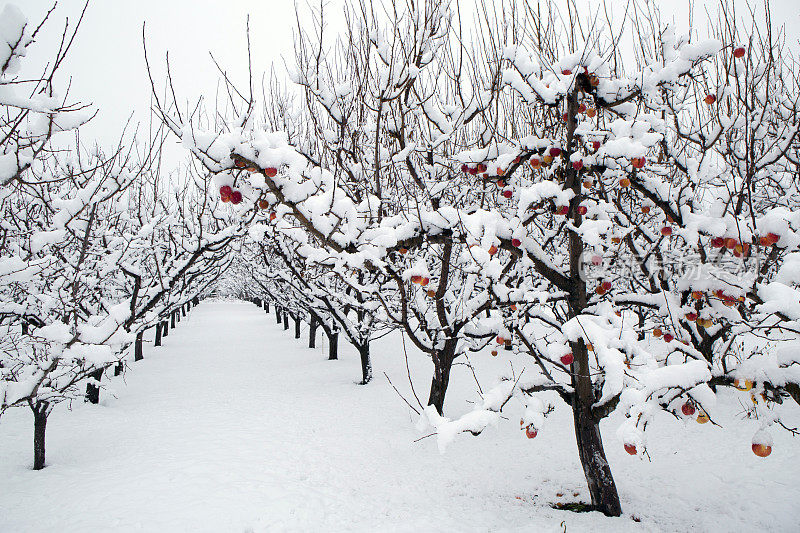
(118, 368)
(137, 350)
(366, 364)
(296, 327)
(25, 327)
(442, 363)
(165, 328)
(312, 331)
(92, 390)
(285, 320)
(196, 301)
(266, 306)
(172, 320)
(40, 413)
(177, 315)
(602, 489)
(157, 341)
(333, 345)
(277, 314)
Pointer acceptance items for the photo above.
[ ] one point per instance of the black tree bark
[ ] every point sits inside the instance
(285, 320)
(277, 315)
(40, 413)
(312, 331)
(157, 341)
(172, 320)
(296, 327)
(333, 345)
(92, 390)
(165, 328)
(138, 355)
(366, 364)
(442, 363)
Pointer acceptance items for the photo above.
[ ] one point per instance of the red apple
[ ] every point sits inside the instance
(668, 337)
(492, 249)
(577, 165)
(271, 172)
(666, 231)
(631, 449)
(530, 432)
(225, 190)
(762, 450)
(536, 163)
(606, 285)
(687, 409)
(710, 99)
(516, 243)
(645, 209)
(566, 72)
(494, 353)
(591, 112)
(481, 167)
(273, 216)
(263, 204)
(567, 359)
(718, 242)
(738, 52)
(582, 108)
(416, 279)
(582, 209)
(624, 183)
(555, 152)
(773, 237)
(508, 193)
(691, 317)
(596, 145)
(638, 162)
(500, 339)
(657, 332)
(562, 210)
(731, 243)
(236, 197)
(424, 281)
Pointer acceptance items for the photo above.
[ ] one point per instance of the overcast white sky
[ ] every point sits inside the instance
(107, 65)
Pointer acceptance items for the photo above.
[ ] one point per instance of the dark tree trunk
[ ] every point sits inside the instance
(177, 315)
(196, 301)
(266, 306)
(137, 347)
(296, 327)
(333, 345)
(285, 320)
(25, 327)
(183, 310)
(165, 328)
(40, 413)
(172, 320)
(118, 368)
(442, 363)
(277, 315)
(157, 341)
(92, 390)
(366, 364)
(602, 489)
(312, 331)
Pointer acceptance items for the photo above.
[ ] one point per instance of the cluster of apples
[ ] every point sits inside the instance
(229, 194)
(270, 172)
(420, 280)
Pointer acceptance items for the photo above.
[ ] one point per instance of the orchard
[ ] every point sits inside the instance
(599, 219)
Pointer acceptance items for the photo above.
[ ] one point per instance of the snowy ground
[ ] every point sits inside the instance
(233, 425)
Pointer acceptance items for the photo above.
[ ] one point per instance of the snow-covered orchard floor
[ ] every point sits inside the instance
(233, 425)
